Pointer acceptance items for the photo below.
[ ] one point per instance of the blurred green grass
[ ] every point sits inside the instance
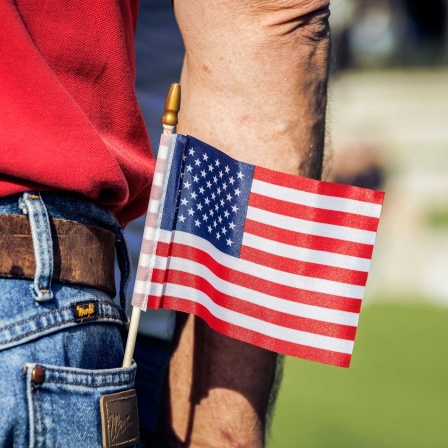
(394, 395)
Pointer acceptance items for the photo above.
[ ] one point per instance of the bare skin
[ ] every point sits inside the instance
(254, 85)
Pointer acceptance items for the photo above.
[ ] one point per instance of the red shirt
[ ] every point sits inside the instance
(69, 118)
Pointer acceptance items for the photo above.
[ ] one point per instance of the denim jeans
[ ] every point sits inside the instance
(80, 360)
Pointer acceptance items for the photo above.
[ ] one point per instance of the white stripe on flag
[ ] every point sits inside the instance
(156, 289)
(259, 298)
(140, 286)
(158, 179)
(307, 255)
(311, 227)
(270, 274)
(316, 200)
(257, 325)
(149, 233)
(162, 152)
(153, 206)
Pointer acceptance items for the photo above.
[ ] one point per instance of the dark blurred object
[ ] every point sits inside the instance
(358, 163)
(152, 356)
(427, 30)
(390, 33)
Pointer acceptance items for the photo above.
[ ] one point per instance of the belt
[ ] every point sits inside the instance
(83, 254)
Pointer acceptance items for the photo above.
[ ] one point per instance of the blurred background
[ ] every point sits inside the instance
(387, 129)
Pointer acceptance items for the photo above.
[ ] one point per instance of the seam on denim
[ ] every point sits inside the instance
(55, 311)
(59, 324)
(37, 407)
(34, 412)
(52, 369)
(92, 386)
(42, 424)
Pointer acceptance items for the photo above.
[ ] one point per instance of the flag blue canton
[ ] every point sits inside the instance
(212, 195)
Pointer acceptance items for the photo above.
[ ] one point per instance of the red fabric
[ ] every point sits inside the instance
(69, 115)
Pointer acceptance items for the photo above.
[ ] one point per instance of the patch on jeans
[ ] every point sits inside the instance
(119, 419)
(85, 311)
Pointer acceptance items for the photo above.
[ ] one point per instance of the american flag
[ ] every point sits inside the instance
(276, 260)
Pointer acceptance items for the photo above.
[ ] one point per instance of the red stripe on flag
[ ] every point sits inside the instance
(163, 249)
(156, 192)
(259, 312)
(313, 214)
(158, 276)
(252, 337)
(140, 298)
(303, 268)
(148, 246)
(160, 165)
(314, 242)
(258, 284)
(154, 302)
(143, 273)
(318, 187)
(151, 219)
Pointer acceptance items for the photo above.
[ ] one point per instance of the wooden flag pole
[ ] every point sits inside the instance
(169, 122)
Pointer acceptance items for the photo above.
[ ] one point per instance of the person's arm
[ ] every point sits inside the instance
(254, 85)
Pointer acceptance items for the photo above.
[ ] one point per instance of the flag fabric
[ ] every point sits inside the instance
(272, 259)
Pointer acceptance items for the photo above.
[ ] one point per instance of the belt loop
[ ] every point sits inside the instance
(32, 205)
(124, 263)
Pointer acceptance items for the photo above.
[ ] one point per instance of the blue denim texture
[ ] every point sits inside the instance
(81, 361)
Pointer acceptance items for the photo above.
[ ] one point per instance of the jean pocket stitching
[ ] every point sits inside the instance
(89, 371)
(38, 416)
(48, 313)
(59, 324)
(124, 376)
(93, 386)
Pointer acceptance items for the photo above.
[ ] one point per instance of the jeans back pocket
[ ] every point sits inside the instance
(64, 404)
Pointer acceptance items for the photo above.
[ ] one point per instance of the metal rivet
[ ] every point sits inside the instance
(38, 375)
